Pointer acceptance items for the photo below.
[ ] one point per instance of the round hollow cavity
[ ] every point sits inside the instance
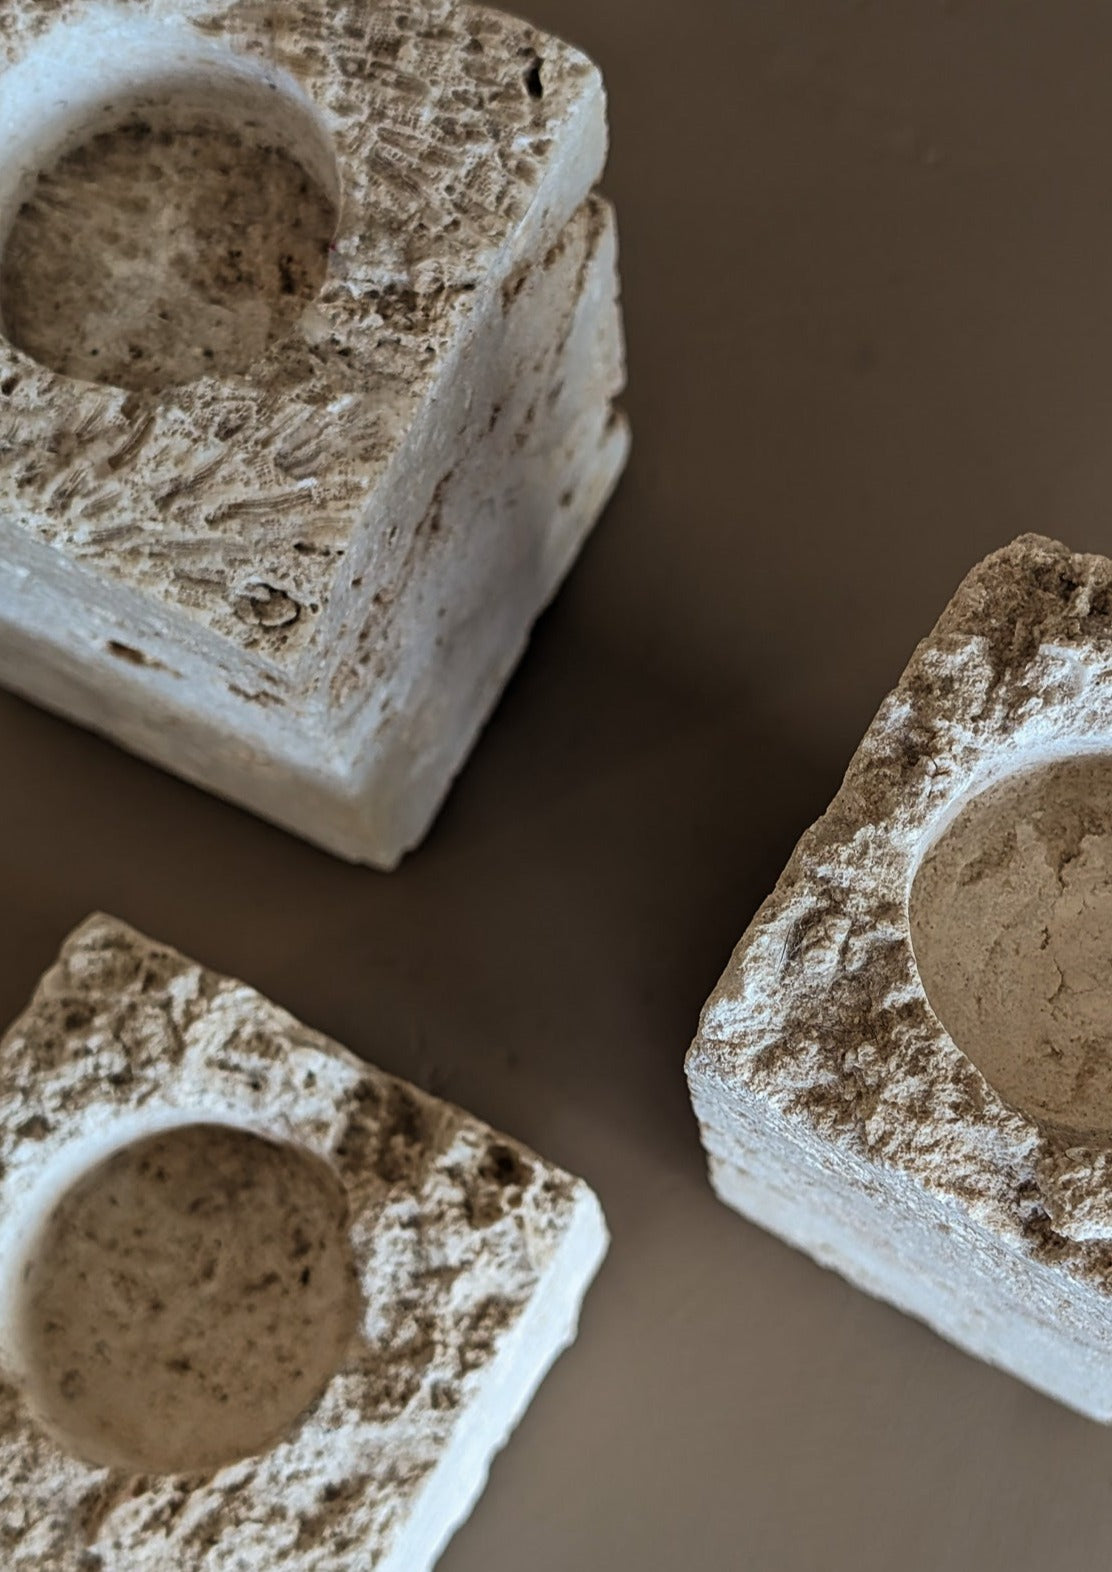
(169, 236)
(1011, 922)
(186, 1300)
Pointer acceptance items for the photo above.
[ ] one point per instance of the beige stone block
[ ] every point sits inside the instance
(263, 1306)
(311, 345)
(906, 1069)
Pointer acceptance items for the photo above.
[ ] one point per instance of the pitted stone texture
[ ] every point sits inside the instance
(197, 251)
(1011, 919)
(835, 1107)
(187, 1300)
(303, 583)
(469, 1258)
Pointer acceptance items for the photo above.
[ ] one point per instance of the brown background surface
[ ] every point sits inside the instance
(868, 271)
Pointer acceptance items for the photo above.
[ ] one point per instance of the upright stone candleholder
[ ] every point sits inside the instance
(906, 1069)
(262, 1305)
(311, 345)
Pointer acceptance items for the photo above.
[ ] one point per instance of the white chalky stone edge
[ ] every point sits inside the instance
(125, 1037)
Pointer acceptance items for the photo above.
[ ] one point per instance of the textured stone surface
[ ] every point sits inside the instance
(300, 581)
(1011, 920)
(198, 251)
(191, 1179)
(966, 1178)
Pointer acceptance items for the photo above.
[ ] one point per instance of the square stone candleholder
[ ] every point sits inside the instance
(262, 1306)
(906, 1069)
(307, 376)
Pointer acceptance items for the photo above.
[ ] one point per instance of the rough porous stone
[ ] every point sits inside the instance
(263, 1306)
(905, 1068)
(306, 394)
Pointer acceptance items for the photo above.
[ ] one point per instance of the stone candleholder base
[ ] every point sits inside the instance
(906, 1069)
(263, 1306)
(310, 350)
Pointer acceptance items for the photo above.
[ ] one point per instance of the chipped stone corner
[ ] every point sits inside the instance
(902, 1071)
(262, 1300)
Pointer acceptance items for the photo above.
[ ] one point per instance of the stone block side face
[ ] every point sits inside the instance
(253, 580)
(927, 1257)
(504, 525)
(835, 1107)
(470, 1256)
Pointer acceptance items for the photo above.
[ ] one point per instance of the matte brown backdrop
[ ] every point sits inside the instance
(868, 274)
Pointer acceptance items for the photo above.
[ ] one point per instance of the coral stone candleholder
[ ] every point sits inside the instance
(262, 1305)
(307, 377)
(906, 1069)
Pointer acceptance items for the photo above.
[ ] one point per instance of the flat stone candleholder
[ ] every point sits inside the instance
(906, 1069)
(307, 377)
(263, 1306)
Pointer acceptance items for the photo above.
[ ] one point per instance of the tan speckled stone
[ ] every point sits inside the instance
(263, 1306)
(904, 1070)
(306, 399)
